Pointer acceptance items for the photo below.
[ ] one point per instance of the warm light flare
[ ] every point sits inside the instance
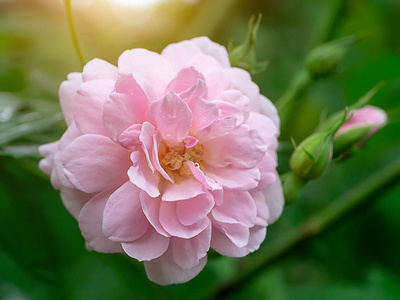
(135, 3)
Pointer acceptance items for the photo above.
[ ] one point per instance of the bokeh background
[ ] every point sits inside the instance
(42, 254)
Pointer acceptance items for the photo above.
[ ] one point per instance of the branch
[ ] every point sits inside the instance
(312, 226)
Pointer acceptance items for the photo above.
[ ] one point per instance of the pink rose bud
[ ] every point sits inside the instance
(363, 124)
(166, 156)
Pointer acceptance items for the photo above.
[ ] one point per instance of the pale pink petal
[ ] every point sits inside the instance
(229, 110)
(123, 218)
(90, 222)
(215, 50)
(185, 79)
(47, 151)
(170, 222)
(180, 54)
(164, 271)
(238, 234)
(241, 80)
(171, 116)
(262, 209)
(275, 200)
(268, 109)
(151, 209)
(146, 137)
(190, 142)
(187, 253)
(149, 65)
(149, 246)
(246, 148)
(124, 107)
(94, 163)
(66, 94)
(99, 69)
(155, 159)
(141, 176)
(218, 128)
(267, 167)
(199, 90)
(224, 246)
(185, 189)
(129, 138)
(204, 113)
(238, 99)
(217, 82)
(88, 105)
(237, 208)
(194, 209)
(265, 127)
(234, 178)
(207, 182)
(74, 200)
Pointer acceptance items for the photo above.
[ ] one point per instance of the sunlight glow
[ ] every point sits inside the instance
(136, 3)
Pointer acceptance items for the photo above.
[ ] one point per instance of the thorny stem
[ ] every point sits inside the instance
(314, 225)
(68, 7)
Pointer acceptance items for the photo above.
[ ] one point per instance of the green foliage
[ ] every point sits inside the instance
(42, 254)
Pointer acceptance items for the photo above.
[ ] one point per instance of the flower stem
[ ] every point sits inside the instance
(314, 225)
(287, 104)
(68, 7)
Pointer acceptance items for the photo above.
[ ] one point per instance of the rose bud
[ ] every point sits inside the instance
(361, 126)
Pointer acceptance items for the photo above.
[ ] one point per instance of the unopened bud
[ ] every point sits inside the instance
(244, 55)
(361, 126)
(326, 57)
(311, 158)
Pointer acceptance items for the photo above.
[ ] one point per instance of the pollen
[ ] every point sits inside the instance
(175, 159)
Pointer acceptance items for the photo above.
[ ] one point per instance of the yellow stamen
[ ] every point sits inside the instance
(174, 159)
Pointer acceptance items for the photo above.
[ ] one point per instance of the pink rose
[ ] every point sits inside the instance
(363, 124)
(166, 156)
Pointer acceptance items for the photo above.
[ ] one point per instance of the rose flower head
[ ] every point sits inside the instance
(168, 155)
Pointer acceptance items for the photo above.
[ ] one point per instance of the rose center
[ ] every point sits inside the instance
(174, 159)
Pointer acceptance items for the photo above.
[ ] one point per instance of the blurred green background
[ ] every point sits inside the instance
(42, 254)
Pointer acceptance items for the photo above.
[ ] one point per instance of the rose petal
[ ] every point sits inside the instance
(171, 116)
(164, 271)
(151, 209)
(74, 200)
(234, 178)
(93, 163)
(150, 66)
(88, 105)
(124, 107)
(170, 222)
(99, 69)
(215, 50)
(90, 222)
(204, 113)
(148, 247)
(275, 200)
(141, 176)
(224, 246)
(238, 234)
(237, 208)
(185, 79)
(66, 94)
(123, 218)
(246, 148)
(185, 189)
(187, 253)
(193, 210)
